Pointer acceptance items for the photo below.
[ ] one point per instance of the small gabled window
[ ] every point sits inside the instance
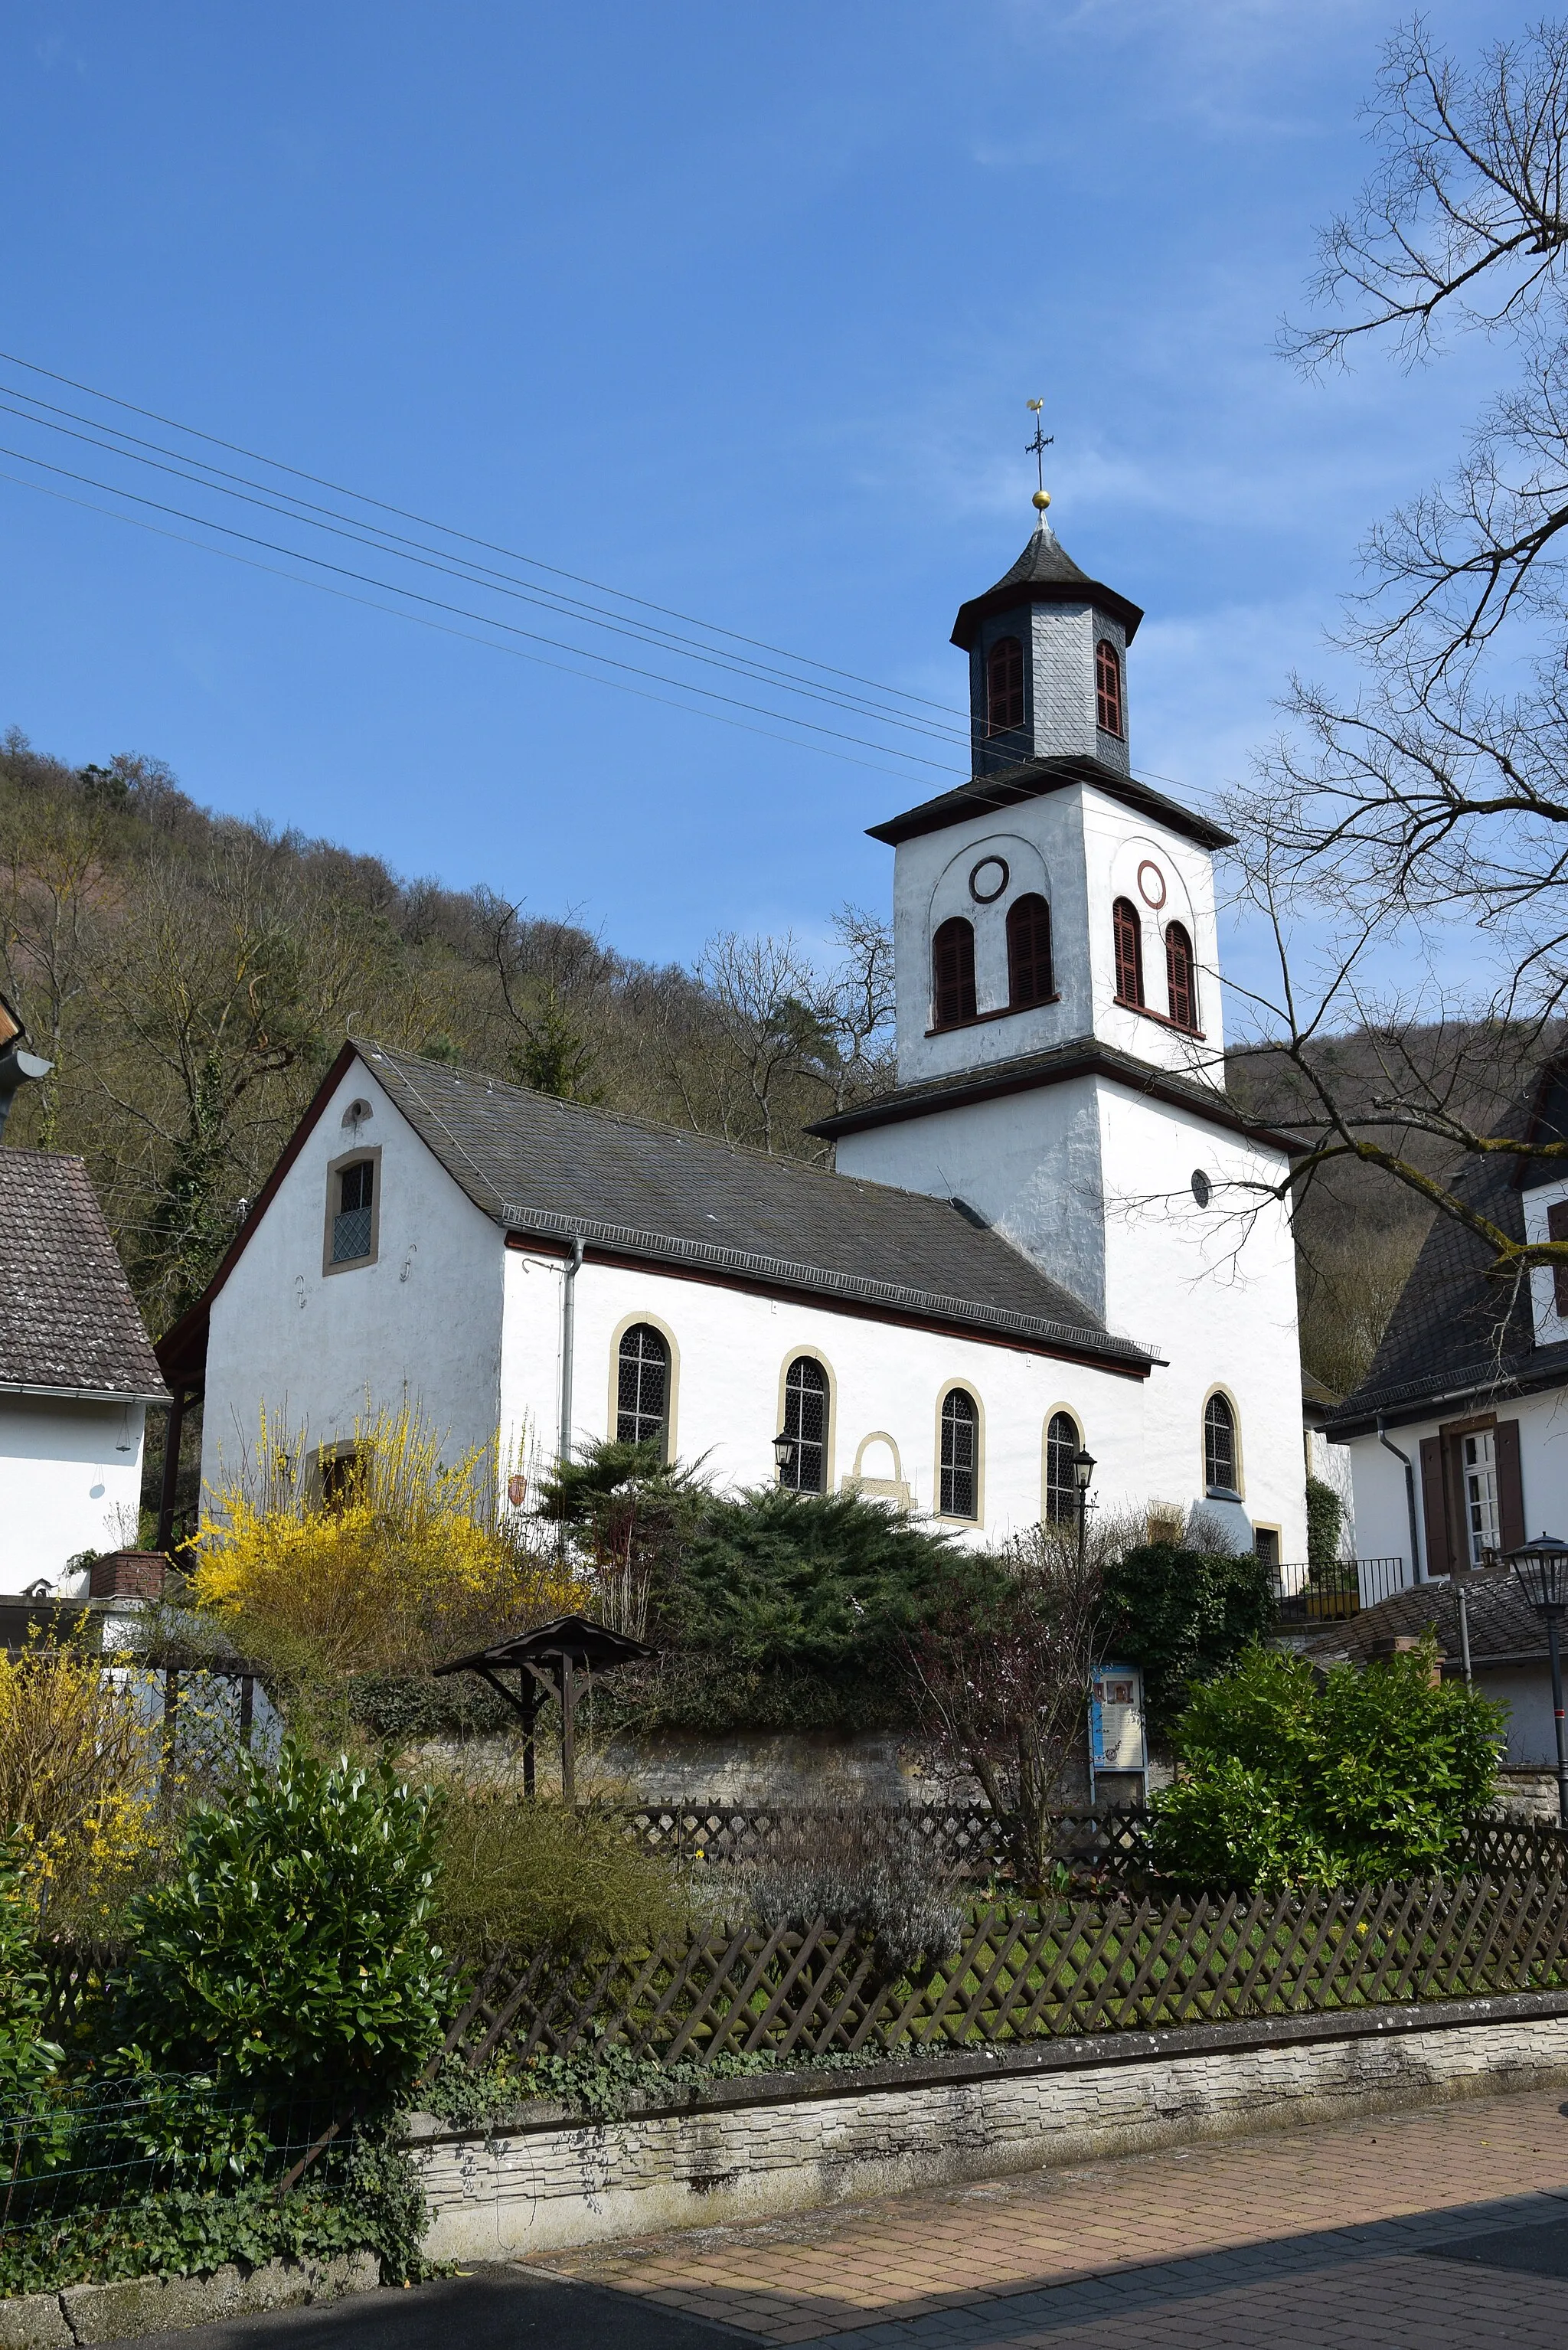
(353, 1210)
(1005, 686)
(1030, 979)
(960, 1455)
(1181, 977)
(1108, 688)
(1129, 934)
(952, 973)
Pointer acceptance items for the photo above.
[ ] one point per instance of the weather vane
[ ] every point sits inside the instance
(1038, 446)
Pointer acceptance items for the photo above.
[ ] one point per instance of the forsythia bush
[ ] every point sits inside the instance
(396, 1572)
(78, 1780)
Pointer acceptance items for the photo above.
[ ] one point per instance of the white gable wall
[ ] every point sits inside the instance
(70, 1479)
(1382, 1519)
(422, 1322)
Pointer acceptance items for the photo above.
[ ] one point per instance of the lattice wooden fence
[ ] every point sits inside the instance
(1030, 1971)
(958, 1835)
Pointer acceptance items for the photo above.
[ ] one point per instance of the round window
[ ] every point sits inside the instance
(1202, 1190)
(989, 879)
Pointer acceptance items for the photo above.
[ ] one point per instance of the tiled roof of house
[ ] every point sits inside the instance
(1456, 1331)
(68, 1322)
(1503, 1627)
(559, 1169)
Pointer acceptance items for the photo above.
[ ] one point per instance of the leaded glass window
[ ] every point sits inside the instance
(351, 1225)
(642, 1386)
(1220, 1445)
(806, 1421)
(960, 1455)
(1061, 1483)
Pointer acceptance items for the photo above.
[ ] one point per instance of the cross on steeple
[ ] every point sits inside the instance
(1037, 448)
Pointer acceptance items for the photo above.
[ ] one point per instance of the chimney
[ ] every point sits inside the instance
(1399, 1644)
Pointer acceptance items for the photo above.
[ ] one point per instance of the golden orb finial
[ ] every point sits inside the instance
(1040, 500)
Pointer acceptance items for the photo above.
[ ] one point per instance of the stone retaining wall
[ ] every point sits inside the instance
(760, 2147)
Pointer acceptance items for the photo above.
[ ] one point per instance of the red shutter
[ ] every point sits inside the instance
(1434, 1505)
(1557, 1230)
(1509, 1483)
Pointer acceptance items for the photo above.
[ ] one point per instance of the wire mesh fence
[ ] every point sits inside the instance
(95, 2148)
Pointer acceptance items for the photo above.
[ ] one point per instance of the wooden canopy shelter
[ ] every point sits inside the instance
(556, 1660)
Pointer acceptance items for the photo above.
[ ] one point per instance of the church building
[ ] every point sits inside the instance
(1056, 1235)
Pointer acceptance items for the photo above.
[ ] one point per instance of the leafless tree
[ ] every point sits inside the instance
(1435, 790)
(1003, 1687)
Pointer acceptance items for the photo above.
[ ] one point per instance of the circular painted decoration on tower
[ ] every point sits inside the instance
(1151, 884)
(988, 879)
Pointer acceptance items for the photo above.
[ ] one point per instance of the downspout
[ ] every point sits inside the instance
(569, 1332)
(1409, 1498)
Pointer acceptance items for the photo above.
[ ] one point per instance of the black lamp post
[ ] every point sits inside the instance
(783, 1452)
(1542, 1568)
(1083, 1476)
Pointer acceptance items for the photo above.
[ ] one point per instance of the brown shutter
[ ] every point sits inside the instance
(1510, 1484)
(1435, 1504)
(1557, 1230)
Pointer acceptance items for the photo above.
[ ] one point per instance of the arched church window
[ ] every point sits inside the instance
(1220, 1445)
(1029, 974)
(1108, 688)
(1181, 976)
(952, 973)
(960, 1455)
(806, 1420)
(1129, 932)
(1062, 1440)
(1005, 686)
(642, 1386)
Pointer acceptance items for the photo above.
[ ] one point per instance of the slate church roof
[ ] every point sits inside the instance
(1455, 1331)
(1044, 574)
(68, 1323)
(556, 1171)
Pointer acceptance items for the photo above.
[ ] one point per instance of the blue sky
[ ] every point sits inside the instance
(737, 310)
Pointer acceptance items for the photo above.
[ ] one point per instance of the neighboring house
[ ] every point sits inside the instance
(1056, 1232)
(1506, 1640)
(1457, 1437)
(76, 1374)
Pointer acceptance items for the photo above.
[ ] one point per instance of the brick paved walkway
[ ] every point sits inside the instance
(1309, 2236)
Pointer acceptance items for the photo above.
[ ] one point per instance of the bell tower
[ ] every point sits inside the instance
(1047, 651)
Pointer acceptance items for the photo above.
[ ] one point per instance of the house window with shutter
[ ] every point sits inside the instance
(1472, 1494)
(952, 974)
(1128, 936)
(1557, 1230)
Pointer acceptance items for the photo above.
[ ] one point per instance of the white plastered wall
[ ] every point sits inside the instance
(1082, 849)
(421, 1324)
(887, 1381)
(70, 1479)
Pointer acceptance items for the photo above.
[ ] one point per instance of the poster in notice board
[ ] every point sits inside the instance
(1116, 1740)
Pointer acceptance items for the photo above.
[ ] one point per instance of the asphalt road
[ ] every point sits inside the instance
(491, 2309)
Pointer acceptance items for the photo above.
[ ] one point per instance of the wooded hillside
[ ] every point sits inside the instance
(192, 975)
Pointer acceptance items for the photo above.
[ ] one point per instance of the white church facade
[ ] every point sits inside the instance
(1056, 1232)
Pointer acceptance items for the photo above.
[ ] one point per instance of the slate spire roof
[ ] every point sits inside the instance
(1044, 574)
(68, 1323)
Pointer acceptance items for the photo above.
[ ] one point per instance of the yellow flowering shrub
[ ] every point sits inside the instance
(402, 1568)
(79, 1771)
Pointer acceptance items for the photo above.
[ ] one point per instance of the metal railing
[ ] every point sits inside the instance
(1331, 1594)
